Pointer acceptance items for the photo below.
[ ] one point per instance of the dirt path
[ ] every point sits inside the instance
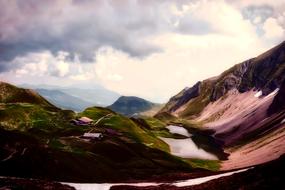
(104, 117)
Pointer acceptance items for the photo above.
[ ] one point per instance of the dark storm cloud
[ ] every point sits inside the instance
(81, 27)
(78, 27)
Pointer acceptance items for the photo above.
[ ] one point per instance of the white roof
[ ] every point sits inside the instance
(86, 119)
(92, 135)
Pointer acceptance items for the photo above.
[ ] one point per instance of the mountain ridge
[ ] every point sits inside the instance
(96, 95)
(12, 94)
(264, 72)
(64, 100)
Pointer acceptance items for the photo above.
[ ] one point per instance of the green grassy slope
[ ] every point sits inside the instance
(12, 94)
(129, 105)
(37, 140)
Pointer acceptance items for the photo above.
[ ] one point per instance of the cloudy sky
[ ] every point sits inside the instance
(147, 48)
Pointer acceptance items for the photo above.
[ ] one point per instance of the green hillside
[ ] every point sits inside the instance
(130, 105)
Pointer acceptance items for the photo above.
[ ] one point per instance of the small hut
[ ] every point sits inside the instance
(82, 121)
(89, 135)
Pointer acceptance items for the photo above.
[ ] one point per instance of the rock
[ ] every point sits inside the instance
(278, 103)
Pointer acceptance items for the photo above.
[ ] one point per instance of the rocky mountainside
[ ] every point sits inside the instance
(265, 73)
(243, 106)
(130, 105)
(278, 103)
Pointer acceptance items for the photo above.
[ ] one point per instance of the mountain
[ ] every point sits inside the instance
(243, 107)
(96, 95)
(264, 73)
(130, 105)
(25, 109)
(12, 94)
(63, 100)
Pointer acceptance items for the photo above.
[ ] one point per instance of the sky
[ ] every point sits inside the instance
(147, 48)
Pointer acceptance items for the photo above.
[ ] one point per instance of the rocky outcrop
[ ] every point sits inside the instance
(183, 97)
(266, 72)
(278, 103)
(230, 79)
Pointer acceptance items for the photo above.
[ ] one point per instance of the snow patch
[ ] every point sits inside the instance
(178, 130)
(272, 93)
(283, 121)
(189, 182)
(258, 94)
(200, 180)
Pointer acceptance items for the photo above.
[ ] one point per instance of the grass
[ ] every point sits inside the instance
(126, 126)
(213, 165)
(36, 119)
(55, 143)
(95, 113)
(154, 123)
(137, 151)
(132, 130)
(13, 94)
(196, 105)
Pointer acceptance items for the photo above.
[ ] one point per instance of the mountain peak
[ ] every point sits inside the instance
(129, 105)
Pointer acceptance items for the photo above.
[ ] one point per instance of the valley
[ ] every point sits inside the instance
(230, 123)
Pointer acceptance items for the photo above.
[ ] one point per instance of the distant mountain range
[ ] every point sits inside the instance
(131, 105)
(64, 100)
(75, 98)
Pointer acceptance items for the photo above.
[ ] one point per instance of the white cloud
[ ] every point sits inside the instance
(82, 77)
(185, 59)
(272, 29)
(257, 20)
(45, 64)
(62, 68)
